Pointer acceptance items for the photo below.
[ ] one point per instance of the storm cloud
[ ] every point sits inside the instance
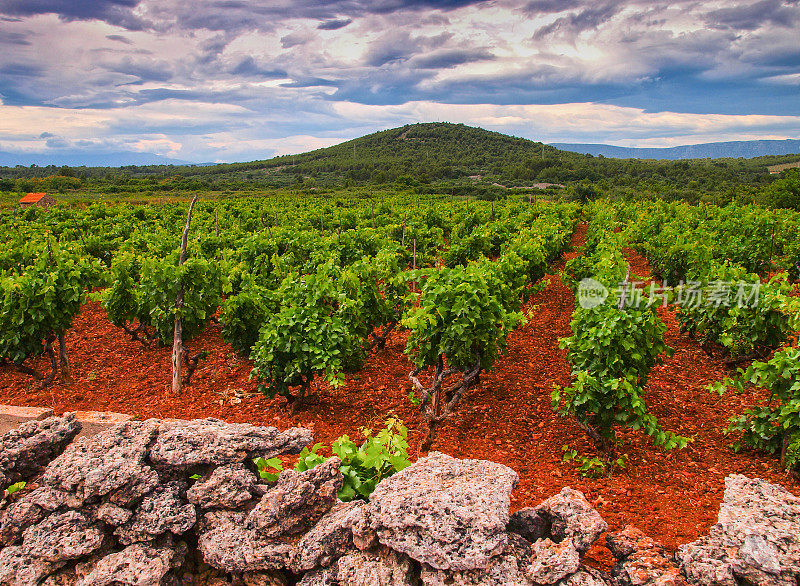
(302, 70)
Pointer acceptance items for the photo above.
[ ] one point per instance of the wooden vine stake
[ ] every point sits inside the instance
(177, 340)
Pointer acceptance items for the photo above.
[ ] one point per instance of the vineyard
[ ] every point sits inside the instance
(462, 318)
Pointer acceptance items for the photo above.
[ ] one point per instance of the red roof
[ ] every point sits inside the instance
(32, 197)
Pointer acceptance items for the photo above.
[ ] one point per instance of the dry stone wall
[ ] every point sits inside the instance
(164, 502)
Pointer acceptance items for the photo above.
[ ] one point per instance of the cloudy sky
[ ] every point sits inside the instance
(233, 80)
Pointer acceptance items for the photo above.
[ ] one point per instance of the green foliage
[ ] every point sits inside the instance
(612, 349)
(202, 283)
(745, 315)
(40, 302)
(594, 466)
(16, 487)
(152, 300)
(270, 470)
(318, 329)
(784, 192)
(530, 247)
(461, 316)
(683, 242)
(384, 290)
(381, 455)
(244, 314)
(120, 300)
(777, 424)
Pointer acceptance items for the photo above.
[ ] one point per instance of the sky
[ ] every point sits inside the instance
(240, 80)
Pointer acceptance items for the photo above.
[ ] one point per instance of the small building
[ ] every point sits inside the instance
(39, 200)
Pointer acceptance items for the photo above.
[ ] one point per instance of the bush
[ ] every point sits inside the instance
(460, 326)
(774, 428)
(244, 314)
(363, 467)
(317, 329)
(38, 305)
(784, 192)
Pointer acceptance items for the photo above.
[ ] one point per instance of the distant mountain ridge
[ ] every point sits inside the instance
(79, 159)
(746, 149)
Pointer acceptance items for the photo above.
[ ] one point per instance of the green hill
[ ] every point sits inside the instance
(443, 153)
(433, 157)
(435, 150)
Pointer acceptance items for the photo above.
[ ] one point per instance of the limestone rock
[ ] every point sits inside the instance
(447, 513)
(641, 561)
(383, 567)
(214, 442)
(323, 577)
(28, 511)
(507, 569)
(71, 575)
(522, 564)
(330, 538)
(755, 541)
(19, 569)
(228, 487)
(139, 564)
(585, 576)
(229, 545)
(111, 514)
(109, 463)
(216, 519)
(25, 451)
(298, 500)
(163, 510)
(138, 486)
(567, 515)
(551, 562)
(62, 537)
(65, 577)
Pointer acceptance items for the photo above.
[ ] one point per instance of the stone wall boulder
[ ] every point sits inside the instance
(298, 500)
(139, 564)
(111, 508)
(63, 537)
(565, 516)
(756, 540)
(156, 503)
(227, 487)
(378, 566)
(25, 451)
(521, 564)
(20, 569)
(28, 511)
(450, 514)
(164, 510)
(331, 538)
(230, 545)
(212, 442)
(110, 464)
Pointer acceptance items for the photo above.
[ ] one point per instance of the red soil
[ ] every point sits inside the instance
(673, 496)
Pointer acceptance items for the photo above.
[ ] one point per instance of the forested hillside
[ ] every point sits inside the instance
(445, 158)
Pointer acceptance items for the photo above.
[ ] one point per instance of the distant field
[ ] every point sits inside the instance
(780, 168)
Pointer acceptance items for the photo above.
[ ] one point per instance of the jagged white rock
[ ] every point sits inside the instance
(755, 541)
(447, 513)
